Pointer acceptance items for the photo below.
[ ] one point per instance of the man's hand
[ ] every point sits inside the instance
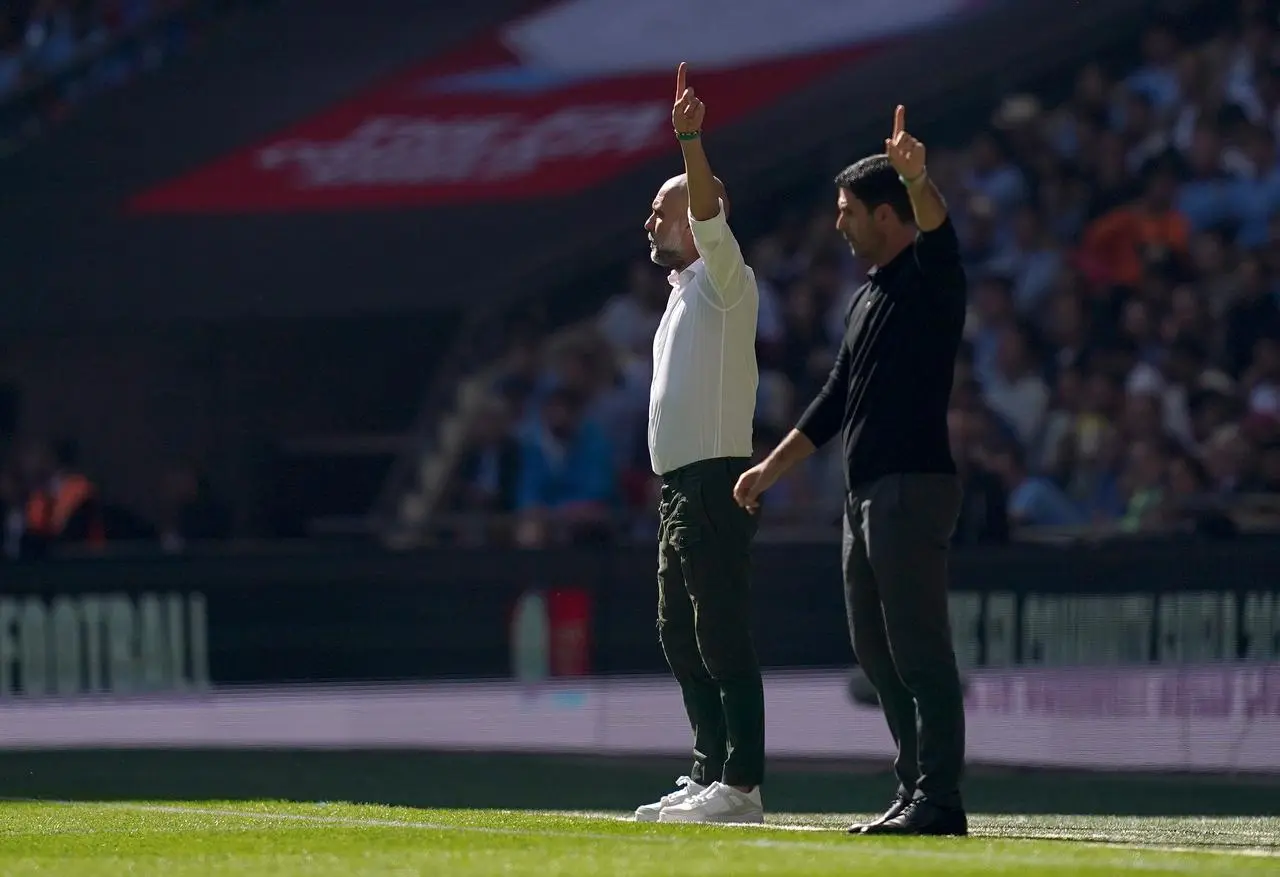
(905, 152)
(688, 113)
(752, 483)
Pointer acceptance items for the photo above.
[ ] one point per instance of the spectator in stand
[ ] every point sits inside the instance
(1254, 313)
(1145, 482)
(806, 353)
(1119, 244)
(1262, 380)
(621, 396)
(1034, 500)
(992, 311)
(1205, 194)
(488, 476)
(1227, 457)
(1016, 391)
(192, 513)
(1170, 385)
(1125, 313)
(62, 506)
(1215, 403)
(1031, 259)
(630, 319)
(1158, 78)
(1089, 461)
(1189, 502)
(567, 477)
(993, 175)
(984, 510)
(1068, 332)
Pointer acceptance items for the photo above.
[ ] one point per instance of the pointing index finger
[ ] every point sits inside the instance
(899, 120)
(680, 77)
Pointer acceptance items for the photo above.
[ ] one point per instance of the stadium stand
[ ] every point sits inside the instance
(1122, 366)
(55, 54)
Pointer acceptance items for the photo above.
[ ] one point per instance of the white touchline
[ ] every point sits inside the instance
(958, 853)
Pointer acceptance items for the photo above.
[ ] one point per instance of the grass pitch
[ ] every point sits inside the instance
(210, 838)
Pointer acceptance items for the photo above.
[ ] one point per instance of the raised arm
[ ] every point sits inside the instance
(907, 155)
(937, 247)
(708, 202)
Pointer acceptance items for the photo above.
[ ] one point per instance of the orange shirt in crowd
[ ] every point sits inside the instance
(50, 509)
(1114, 246)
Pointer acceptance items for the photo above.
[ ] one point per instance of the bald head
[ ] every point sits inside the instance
(678, 186)
(670, 237)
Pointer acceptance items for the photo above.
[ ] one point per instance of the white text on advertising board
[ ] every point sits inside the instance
(1077, 630)
(103, 643)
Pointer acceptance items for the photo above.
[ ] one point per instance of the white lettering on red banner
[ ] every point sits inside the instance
(521, 113)
(412, 151)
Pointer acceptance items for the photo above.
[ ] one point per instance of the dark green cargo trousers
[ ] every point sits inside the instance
(704, 618)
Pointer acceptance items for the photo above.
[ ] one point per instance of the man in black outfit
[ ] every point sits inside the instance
(887, 395)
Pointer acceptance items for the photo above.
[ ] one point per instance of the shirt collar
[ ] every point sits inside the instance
(886, 271)
(677, 278)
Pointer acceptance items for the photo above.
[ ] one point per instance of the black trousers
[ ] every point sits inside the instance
(704, 619)
(897, 531)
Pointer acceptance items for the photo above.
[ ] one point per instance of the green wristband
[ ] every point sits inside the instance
(688, 135)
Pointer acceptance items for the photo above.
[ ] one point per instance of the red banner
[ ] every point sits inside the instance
(546, 104)
(407, 143)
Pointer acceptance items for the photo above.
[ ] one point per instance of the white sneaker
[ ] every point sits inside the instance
(717, 803)
(685, 789)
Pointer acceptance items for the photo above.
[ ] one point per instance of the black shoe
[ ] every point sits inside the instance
(923, 817)
(899, 803)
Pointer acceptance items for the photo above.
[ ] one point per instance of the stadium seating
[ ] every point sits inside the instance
(1121, 371)
(55, 54)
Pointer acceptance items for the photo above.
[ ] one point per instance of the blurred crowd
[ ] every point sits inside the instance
(49, 503)
(39, 38)
(56, 54)
(1121, 370)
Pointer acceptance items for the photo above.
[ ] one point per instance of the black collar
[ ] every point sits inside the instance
(884, 273)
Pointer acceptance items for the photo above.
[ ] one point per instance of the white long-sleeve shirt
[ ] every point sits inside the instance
(703, 397)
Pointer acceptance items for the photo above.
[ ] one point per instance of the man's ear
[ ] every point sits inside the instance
(883, 214)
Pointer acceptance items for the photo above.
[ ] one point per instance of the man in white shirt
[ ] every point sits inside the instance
(701, 406)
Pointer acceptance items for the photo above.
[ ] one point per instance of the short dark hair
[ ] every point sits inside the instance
(873, 181)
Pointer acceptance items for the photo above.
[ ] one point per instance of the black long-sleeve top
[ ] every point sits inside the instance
(888, 392)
